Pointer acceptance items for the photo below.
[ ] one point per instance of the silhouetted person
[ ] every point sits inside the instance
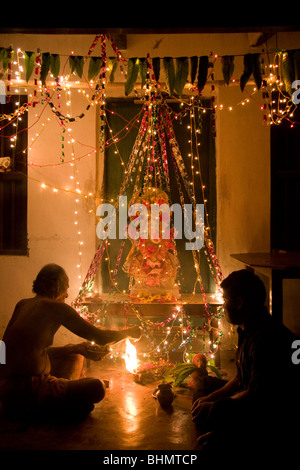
(29, 383)
(256, 409)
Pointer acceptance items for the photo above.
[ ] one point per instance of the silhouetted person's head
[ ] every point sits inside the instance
(51, 282)
(244, 296)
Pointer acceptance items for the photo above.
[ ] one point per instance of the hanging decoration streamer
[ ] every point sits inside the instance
(276, 79)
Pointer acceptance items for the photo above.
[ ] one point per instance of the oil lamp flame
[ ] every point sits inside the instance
(130, 357)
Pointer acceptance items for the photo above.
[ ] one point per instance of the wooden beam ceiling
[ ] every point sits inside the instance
(204, 29)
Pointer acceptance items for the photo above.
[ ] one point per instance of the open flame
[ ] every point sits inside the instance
(130, 357)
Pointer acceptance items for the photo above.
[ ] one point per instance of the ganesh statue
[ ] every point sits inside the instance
(152, 262)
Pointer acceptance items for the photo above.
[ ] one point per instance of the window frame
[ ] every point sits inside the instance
(210, 182)
(13, 183)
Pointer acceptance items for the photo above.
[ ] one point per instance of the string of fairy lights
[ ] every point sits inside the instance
(187, 330)
(50, 96)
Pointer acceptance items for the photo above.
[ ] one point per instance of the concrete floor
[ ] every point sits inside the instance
(128, 418)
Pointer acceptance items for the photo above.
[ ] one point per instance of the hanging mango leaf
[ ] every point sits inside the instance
(227, 67)
(79, 63)
(182, 71)
(169, 70)
(55, 65)
(45, 67)
(202, 72)
(2, 53)
(112, 66)
(297, 64)
(94, 67)
(7, 57)
(132, 74)
(248, 69)
(156, 67)
(76, 63)
(72, 63)
(256, 70)
(194, 66)
(143, 70)
(29, 62)
(288, 70)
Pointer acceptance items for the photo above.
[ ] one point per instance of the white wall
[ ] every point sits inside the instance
(243, 179)
(52, 233)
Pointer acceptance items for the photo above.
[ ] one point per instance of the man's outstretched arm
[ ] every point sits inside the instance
(71, 320)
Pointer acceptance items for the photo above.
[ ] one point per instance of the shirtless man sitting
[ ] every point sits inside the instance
(29, 386)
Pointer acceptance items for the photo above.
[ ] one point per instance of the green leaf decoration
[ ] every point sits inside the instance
(182, 373)
(227, 67)
(2, 53)
(55, 65)
(132, 74)
(156, 67)
(94, 67)
(143, 70)
(112, 65)
(256, 70)
(29, 62)
(248, 68)
(45, 67)
(76, 63)
(182, 71)
(79, 63)
(202, 72)
(179, 367)
(215, 371)
(7, 57)
(297, 64)
(72, 63)
(178, 373)
(169, 70)
(288, 70)
(194, 66)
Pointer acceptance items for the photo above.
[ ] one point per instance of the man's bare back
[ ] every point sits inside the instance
(31, 331)
(29, 336)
